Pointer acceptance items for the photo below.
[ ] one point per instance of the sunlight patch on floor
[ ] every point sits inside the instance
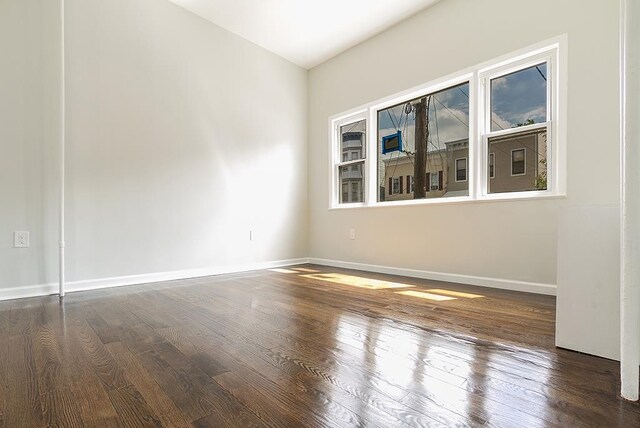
(357, 281)
(279, 270)
(423, 295)
(454, 293)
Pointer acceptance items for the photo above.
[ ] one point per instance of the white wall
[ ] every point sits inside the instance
(516, 240)
(28, 139)
(181, 137)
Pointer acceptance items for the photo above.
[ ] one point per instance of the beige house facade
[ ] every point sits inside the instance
(516, 163)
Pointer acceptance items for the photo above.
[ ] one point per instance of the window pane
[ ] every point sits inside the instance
(352, 183)
(444, 117)
(352, 141)
(519, 162)
(519, 98)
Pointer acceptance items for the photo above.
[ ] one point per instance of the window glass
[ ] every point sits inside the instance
(519, 99)
(352, 141)
(443, 118)
(352, 183)
(520, 161)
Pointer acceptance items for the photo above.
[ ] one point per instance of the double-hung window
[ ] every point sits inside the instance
(488, 132)
(517, 125)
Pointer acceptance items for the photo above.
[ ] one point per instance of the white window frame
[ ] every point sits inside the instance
(553, 52)
(524, 151)
(335, 153)
(555, 174)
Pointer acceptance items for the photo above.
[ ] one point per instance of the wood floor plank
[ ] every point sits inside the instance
(60, 409)
(153, 394)
(23, 401)
(131, 408)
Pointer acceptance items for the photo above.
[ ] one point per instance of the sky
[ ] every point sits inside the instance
(519, 96)
(448, 119)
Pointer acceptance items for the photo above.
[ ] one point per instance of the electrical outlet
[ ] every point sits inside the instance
(21, 239)
(352, 234)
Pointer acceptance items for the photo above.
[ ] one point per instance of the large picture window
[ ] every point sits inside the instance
(491, 132)
(434, 130)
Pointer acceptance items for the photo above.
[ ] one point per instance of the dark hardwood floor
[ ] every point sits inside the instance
(303, 346)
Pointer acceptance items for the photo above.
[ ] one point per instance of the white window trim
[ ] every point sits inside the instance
(553, 51)
(466, 169)
(335, 154)
(524, 150)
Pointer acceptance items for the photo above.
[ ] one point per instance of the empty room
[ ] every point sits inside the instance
(284, 213)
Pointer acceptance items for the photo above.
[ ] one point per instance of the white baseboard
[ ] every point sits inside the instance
(28, 291)
(95, 284)
(504, 284)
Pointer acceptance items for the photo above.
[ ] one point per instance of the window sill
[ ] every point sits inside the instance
(454, 200)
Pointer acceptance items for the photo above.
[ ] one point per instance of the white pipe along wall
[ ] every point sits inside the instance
(62, 151)
(630, 199)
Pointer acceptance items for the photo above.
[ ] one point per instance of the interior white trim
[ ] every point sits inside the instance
(503, 284)
(96, 284)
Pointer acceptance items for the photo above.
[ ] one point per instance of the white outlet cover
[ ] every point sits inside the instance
(21, 239)
(352, 234)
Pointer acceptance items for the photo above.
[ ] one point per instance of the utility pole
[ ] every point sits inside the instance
(422, 136)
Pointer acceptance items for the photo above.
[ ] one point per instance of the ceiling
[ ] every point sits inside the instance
(306, 32)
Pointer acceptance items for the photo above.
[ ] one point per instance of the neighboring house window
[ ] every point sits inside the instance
(492, 165)
(518, 157)
(427, 143)
(461, 169)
